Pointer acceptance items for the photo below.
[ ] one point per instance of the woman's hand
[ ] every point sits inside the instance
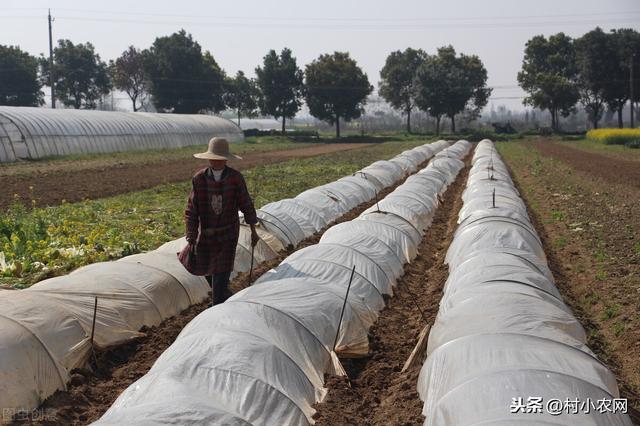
(254, 236)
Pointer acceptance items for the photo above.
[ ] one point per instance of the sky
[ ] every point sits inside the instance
(240, 32)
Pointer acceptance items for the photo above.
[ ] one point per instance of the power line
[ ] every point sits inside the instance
(336, 19)
(351, 27)
(351, 23)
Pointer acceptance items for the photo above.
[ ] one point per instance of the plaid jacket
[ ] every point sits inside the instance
(211, 221)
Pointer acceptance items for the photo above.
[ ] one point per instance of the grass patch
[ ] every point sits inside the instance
(600, 256)
(611, 312)
(558, 216)
(36, 243)
(591, 298)
(560, 242)
(618, 329)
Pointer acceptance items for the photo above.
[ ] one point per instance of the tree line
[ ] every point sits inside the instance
(594, 70)
(176, 75)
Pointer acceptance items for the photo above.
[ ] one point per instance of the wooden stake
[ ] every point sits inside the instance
(417, 355)
(251, 269)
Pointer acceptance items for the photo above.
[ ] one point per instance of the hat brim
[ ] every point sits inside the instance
(212, 156)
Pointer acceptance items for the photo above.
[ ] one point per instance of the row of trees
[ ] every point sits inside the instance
(558, 72)
(176, 75)
(442, 85)
(179, 77)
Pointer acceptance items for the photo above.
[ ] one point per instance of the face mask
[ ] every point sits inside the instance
(217, 174)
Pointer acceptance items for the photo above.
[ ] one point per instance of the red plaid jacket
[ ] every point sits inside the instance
(211, 221)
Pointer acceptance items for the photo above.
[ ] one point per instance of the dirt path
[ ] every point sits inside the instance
(92, 391)
(379, 393)
(99, 180)
(626, 172)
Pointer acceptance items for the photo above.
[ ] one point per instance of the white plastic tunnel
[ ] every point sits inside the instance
(502, 331)
(261, 357)
(48, 326)
(293, 220)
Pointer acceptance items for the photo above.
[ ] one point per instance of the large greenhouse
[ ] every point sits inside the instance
(33, 133)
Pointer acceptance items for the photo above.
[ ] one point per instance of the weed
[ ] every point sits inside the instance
(560, 242)
(591, 298)
(600, 255)
(617, 328)
(558, 215)
(610, 312)
(601, 275)
(538, 166)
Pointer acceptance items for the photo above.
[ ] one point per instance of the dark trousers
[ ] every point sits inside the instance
(219, 283)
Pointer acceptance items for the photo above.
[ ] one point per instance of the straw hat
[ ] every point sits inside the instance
(218, 150)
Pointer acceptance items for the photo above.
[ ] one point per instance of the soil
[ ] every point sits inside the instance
(376, 391)
(585, 209)
(611, 169)
(57, 181)
(94, 389)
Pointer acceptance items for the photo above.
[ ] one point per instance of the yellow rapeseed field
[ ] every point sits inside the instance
(629, 137)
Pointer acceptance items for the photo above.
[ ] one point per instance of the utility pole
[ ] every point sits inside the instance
(51, 80)
(631, 92)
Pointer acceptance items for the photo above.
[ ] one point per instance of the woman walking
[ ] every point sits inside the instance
(211, 219)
